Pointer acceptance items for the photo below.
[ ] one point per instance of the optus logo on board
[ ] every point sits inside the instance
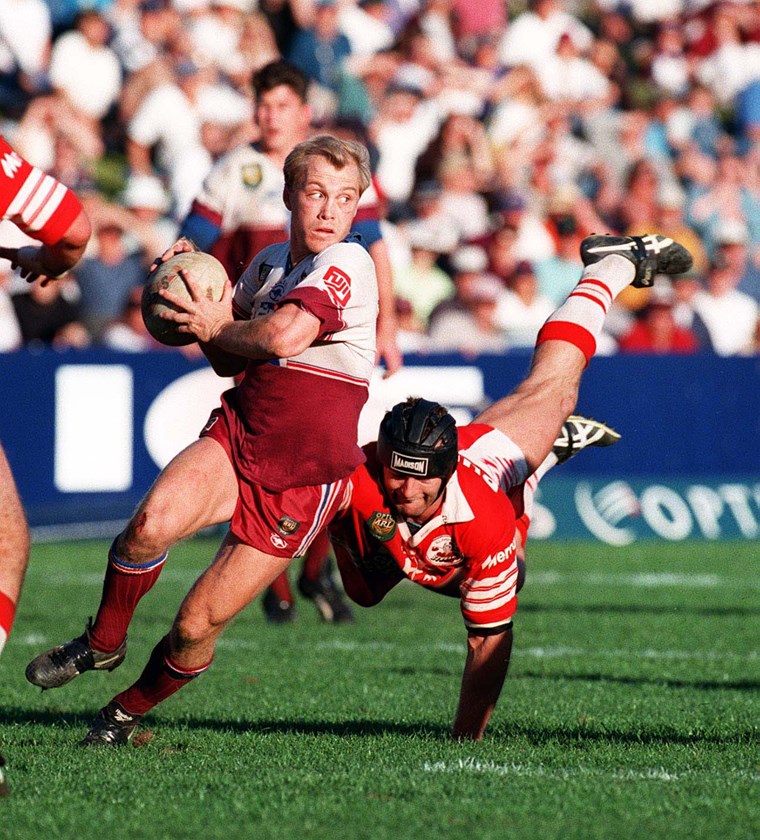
(621, 512)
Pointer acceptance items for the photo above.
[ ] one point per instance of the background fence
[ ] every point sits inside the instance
(86, 433)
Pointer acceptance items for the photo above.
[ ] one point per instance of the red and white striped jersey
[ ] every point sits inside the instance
(468, 548)
(300, 414)
(37, 203)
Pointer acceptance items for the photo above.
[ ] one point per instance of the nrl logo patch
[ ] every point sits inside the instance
(252, 174)
(287, 526)
(406, 464)
(382, 526)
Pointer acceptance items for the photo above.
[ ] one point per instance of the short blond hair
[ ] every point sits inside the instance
(339, 153)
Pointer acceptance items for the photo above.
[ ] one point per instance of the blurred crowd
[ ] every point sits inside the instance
(500, 134)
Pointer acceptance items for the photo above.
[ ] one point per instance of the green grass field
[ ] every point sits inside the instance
(631, 709)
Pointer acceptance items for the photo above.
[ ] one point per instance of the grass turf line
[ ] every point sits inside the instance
(631, 706)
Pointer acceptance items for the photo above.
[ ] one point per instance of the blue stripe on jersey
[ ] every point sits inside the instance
(369, 232)
(202, 231)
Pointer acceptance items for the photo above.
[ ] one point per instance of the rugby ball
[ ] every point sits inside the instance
(204, 269)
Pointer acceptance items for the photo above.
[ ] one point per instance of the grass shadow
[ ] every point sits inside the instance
(537, 734)
(701, 685)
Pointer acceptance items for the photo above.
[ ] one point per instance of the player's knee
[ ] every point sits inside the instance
(190, 629)
(145, 537)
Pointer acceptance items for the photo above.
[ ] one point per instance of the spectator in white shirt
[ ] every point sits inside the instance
(729, 315)
(85, 68)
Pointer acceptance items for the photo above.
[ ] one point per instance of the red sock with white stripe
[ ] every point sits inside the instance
(161, 678)
(581, 317)
(7, 613)
(124, 585)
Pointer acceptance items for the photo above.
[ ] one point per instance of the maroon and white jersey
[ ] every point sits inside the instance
(295, 419)
(468, 548)
(36, 203)
(242, 196)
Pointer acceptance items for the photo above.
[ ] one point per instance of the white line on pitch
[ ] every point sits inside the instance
(471, 765)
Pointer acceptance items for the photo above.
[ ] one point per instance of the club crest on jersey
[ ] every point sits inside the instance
(338, 285)
(287, 526)
(409, 465)
(381, 525)
(277, 291)
(252, 174)
(441, 552)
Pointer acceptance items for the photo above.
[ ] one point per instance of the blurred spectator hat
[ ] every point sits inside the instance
(411, 78)
(563, 199)
(426, 191)
(471, 259)
(153, 5)
(185, 67)
(661, 293)
(485, 289)
(223, 106)
(522, 268)
(429, 237)
(731, 232)
(509, 201)
(145, 191)
(670, 196)
(246, 6)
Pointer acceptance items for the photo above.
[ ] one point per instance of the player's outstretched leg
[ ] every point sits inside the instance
(650, 254)
(62, 664)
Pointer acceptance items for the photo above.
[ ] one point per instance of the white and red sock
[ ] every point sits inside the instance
(580, 319)
(7, 614)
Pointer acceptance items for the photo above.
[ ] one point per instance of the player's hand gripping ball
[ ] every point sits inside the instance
(204, 269)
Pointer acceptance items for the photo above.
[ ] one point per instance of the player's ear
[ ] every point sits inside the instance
(286, 198)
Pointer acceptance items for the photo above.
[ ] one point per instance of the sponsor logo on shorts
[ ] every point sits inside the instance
(405, 464)
(252, 174)
(287, 526)
(277, 541)
(381, 525)
(441, 552)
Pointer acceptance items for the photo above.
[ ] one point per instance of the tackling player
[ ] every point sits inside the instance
(239, 211)
(49, 212)
(300, 327)
(449, 509)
